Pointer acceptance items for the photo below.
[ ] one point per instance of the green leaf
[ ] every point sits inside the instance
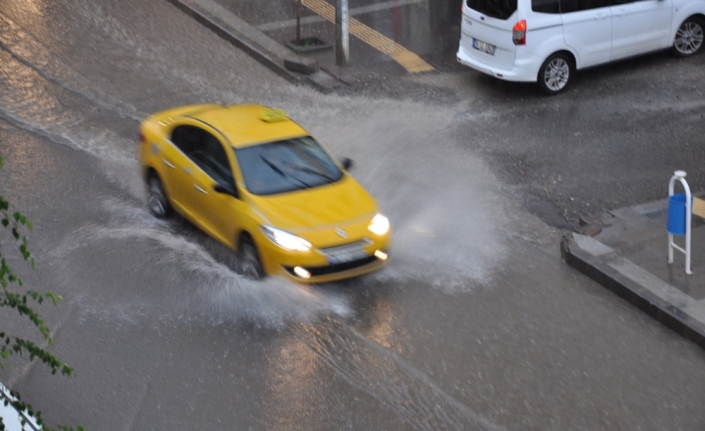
(18, 302)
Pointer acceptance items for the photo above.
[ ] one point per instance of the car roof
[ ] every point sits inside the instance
(245, 125)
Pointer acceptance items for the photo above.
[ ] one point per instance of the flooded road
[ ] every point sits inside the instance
(476, 324)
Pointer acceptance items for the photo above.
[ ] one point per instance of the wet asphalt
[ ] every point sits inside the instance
(476, 324)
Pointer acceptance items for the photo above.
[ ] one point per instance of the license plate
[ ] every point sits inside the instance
(345, 255)
(483, 46)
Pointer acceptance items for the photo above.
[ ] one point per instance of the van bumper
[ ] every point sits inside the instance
(523, 70)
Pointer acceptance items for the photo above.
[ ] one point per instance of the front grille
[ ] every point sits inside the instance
(360, 244)
(332, 269)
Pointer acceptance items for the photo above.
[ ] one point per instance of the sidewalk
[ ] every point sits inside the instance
(626, 250)
(390, 38)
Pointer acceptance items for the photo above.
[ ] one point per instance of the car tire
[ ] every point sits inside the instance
(157, 201)
(250, 264)
(555, 73)
(689, 38)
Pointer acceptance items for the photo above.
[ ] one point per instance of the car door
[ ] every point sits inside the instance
(220, 214)
(185, 140)
(587, 28)
(640, 26)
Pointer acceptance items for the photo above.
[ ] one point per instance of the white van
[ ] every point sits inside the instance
(545, 41)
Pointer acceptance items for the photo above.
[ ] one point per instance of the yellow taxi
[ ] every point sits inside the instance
(256, 181)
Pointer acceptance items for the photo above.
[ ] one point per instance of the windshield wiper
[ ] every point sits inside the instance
(281, 173)
(315, 172)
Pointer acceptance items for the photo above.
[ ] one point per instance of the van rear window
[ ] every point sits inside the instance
(501, 9)
(545, 6)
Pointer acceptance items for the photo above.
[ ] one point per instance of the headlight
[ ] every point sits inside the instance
(286, 240)
(379, 225)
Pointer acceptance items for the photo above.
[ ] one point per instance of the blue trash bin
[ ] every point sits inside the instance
(677, 214)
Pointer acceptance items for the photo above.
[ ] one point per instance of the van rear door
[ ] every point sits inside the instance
(487, 32)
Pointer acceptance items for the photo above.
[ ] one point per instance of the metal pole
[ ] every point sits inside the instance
(688, 222)
(342, 45)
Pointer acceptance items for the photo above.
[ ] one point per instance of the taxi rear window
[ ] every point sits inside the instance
(500, 9)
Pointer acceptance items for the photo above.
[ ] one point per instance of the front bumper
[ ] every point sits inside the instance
(278, 261)
(338, 271)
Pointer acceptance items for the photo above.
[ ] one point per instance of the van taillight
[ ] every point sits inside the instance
(519, 33)
(142, 138)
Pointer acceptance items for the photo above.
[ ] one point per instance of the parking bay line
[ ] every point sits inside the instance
(407, 59)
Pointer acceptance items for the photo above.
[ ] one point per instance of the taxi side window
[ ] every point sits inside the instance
(205, 151)
(187, 139)
(214, 161)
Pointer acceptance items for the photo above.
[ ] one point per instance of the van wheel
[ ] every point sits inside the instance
(689, 38)
(156, 197)
(250, 265)
(555, 73)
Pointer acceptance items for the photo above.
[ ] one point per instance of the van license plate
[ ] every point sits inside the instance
(483, 46)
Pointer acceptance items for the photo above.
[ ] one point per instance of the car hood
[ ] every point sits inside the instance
(307, 209)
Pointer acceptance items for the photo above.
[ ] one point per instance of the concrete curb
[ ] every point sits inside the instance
(593, 265)
(258, 45)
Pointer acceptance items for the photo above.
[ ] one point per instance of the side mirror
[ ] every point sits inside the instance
(347, 163)
(227, 190)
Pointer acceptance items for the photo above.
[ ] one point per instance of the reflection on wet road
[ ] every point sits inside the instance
(476, 324)
(370, 367)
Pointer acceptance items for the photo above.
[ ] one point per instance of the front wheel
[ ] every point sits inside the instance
(689, 38)
(156, 197)
(250, 265)
(555, 74)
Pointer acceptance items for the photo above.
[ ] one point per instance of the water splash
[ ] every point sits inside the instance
(162, 268)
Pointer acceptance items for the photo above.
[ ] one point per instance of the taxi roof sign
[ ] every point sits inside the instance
(272, 115)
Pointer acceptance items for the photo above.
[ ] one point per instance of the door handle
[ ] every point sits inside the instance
(200, 189)
(168, 163)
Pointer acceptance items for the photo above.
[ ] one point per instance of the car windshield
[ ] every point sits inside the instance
(284, 166)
